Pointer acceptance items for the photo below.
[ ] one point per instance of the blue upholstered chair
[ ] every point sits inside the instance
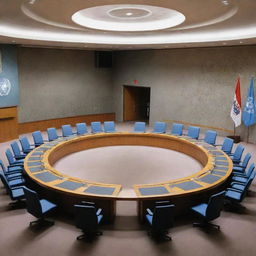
(159, 127)
(25, 145)
(96, 127)
(52, 134)
(177, 129)
(240, 167)
(38, 207)
(209, 211)
(236, 157)
(243, 177)
(109, 126)
(160, 220)
(193, 132)
(210, 137)
(12, 173)
(87, 218)
(16, 151)
(244, 173)
(14, 182)
(237, 192)
(139, 127)
(38, 138)
(12, 161)
(81, 128)
(66, 130)
(227, 145)
(16, 193)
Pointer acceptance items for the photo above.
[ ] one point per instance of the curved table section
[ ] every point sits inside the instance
(217, 167)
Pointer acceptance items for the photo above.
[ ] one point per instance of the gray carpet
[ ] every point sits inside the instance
(126, 236)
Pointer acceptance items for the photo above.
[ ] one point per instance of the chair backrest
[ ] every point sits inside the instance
(159, 127)
(210, 137)
(24, 144)
(66, 130)
(247, 185)
(38, 138)
(81, 128)
(163, 216)
(109, 126)
(193, 132)
(215, 205)
(246, 160)
(52, 134)
(96, 127)
(33, 202)
(9, 156)
(139, 127)
(5, 183)
(177, 129)
(238, 152)
(227, 145)
(85, 217)
(250, 170)
(2, 166)
(15, 148)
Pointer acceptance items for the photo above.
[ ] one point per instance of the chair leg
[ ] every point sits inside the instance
(88, 235)
(205, 225)
(160, 235)
(18, 204)
(41, 222)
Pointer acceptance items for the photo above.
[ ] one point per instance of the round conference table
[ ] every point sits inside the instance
(184, 192)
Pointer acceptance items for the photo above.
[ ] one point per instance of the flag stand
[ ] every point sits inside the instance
(247, 134)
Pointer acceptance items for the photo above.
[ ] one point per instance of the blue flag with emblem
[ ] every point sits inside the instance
(249, 113)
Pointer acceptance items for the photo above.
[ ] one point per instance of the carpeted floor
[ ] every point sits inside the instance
(126, 236)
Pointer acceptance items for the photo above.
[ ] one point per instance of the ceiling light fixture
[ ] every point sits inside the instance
(225, 2)
(32, 1)
(128, 14)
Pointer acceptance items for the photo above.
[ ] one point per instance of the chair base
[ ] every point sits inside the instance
(160, 235)
(41, 222)
(205, 225)
(89, 235)
(18, 204)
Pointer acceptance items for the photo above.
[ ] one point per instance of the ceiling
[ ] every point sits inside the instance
(125, 25)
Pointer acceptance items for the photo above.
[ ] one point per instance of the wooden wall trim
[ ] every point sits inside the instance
(58, 122)
(201, 125)
(8, 124)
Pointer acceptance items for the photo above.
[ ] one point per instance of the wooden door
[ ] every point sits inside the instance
(131, 104)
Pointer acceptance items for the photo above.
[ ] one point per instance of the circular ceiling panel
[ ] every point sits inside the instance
(128, 17)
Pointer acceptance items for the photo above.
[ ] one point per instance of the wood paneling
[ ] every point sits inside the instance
(58, 122)
(200, 125)
(8, 124)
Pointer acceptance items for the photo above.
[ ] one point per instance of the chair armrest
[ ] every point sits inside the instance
(233, 189)
(14, 178)
(237, 183)
(149, 211)
(98, 211)
(238, 174)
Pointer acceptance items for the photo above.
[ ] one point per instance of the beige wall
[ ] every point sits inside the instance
(192, 85)
(61, 83)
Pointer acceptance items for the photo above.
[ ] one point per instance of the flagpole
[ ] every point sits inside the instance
(234, 130)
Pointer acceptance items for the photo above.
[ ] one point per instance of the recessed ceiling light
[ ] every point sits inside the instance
(32, 1)
(240, 42)
(128, 14)
(225, 2)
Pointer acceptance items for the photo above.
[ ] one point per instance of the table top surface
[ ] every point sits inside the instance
(217, 166)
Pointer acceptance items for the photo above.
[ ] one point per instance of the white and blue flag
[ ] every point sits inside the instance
(249, 113)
